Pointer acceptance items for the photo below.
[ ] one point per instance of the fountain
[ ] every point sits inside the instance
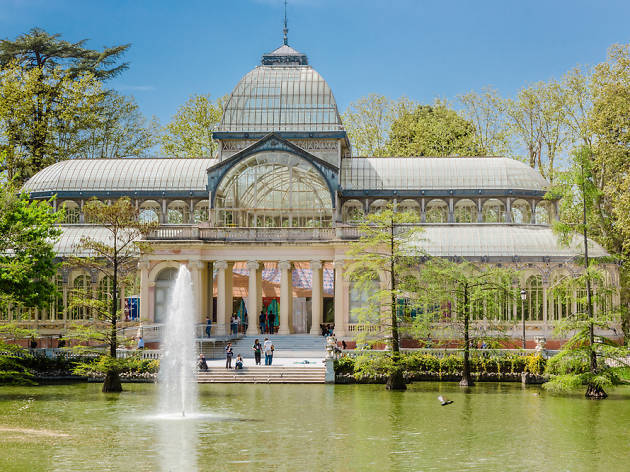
(177, 382)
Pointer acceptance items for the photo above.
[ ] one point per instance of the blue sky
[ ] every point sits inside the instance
(421, 49)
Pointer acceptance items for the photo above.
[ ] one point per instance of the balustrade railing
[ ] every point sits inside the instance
(184, 232)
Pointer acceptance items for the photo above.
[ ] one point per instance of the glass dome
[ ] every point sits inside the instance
(281, 98)
(273, 189)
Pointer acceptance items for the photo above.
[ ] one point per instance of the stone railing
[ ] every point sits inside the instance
(440, 353)
(188, 232)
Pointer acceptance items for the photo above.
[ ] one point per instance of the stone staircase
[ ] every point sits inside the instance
(298, 346)
(265, 374)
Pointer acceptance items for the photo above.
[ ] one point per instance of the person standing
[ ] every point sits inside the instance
(272, 320)
(208, 327)
(257, 347)
(234, 323)
(262, 319)
(268, 348)
(228, 356)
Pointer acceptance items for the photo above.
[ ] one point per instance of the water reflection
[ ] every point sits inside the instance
(178, 443)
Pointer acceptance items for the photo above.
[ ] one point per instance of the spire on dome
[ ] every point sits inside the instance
(286, 29)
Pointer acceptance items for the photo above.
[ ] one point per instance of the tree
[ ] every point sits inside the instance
(41, 116)
(189, 134)
(116, 257)
(537, 120)
(431, 130)
(458, 292)
(384, 252)
(46, 69)
(584, 322)
(28, 231)
(367, 122)
(119, 130)
(486, 113)
(38, 49)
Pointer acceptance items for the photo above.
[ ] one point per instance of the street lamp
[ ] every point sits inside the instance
(523, 298)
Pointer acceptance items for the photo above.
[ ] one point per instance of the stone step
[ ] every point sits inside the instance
(264, 374)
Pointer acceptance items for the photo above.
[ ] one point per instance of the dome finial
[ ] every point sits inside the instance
(285, 30)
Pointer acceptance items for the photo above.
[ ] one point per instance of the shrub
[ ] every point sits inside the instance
(451, 365)
(344, 365)
(536, 364)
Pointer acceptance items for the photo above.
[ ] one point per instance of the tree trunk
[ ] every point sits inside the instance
(395, 380)
(595, 393)
(112, 382)
(466, 380)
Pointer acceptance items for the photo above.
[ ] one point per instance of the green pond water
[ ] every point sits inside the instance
(490, 427)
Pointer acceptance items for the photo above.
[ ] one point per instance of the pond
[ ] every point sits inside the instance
(490, 427)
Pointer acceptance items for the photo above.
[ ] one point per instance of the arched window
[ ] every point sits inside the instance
(465, 211)
(55, 309)
(352, 211)
(521, 212)
(411, 206)
(149, 211)
(543, 213)
(493, 211)
(80, 291)
(533, 304)
(73, 212)
(201, 212)
(273, 189)
(163, 284)
(105, 287)
(178, 213)
(377, 206)
(436, 211)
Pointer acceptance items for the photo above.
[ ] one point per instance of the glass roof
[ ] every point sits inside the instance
(281, 98)
(71, 235)
(93, 175)
(438, 173)
(498, 240)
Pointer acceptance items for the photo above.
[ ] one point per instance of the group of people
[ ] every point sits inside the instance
(237, 325)
(267, 347)
(267, 322)
(327, 329)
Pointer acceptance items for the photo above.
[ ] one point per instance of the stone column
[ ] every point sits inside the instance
(199, 289)
(144, 290)
(508, 210)
(259, 290)
(210, 289)
(451, 211)
(317, 300)
(340, 303)
(252, 299)
(286, 297)
(224, 295)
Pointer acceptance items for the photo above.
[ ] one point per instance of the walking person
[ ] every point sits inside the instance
(268, 348)
(234, 323)
(228, 356)
(257, 347)
(262, 320)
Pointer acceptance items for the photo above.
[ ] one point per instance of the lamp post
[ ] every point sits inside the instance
(523, 298)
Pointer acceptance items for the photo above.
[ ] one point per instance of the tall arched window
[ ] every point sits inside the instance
(533, 304)
(80, 291)
(521, 212)
(352, 211)
(149, 211)
(72, 212)
(273, 189)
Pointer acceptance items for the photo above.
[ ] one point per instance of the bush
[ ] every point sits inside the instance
(13, 371)
(344, 365)
(536, 364)
(130, 365)
(451, 365)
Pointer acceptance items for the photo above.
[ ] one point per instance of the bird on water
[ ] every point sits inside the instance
(444, 401)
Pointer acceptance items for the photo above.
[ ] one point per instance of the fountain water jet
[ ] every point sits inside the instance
(177, 377)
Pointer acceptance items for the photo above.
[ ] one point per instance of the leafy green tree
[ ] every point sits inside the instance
(458, 292)
(38, 49)
(51, 78)
(40, 117)
(367, 122)
(486, 112)
(116, 257)
(431, 130)
(119, 130)
(583, 323)
(384, 252)
(28, 231)
(189, 134)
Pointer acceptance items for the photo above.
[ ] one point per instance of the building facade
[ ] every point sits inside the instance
(268, 222)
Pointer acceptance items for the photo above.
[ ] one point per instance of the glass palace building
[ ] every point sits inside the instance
(268, 222)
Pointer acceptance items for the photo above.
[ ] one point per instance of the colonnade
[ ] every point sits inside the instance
(203, 275)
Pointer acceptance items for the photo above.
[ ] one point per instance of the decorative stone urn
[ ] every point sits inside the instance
(541, 341)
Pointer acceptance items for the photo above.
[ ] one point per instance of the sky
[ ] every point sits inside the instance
(415, 48)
